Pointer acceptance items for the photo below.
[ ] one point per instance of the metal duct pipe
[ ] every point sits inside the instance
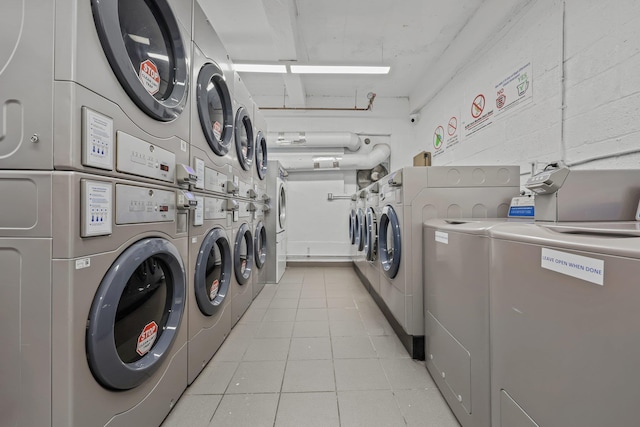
(348, 140)
(377, 155)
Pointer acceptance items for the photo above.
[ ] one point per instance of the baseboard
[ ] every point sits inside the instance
(295, 263)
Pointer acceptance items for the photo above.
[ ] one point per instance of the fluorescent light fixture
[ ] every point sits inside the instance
(338, 69)
(260, 68)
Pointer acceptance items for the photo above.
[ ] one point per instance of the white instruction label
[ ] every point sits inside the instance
(199, 167)
(96, 208)
(580, 267)
(442, 237)
(198, 213)
(83, 263)
(97, 140)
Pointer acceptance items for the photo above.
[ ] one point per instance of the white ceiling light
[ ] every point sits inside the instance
(260, 68)
(338, 69)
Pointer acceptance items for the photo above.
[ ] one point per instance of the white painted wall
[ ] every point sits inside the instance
(584, 54)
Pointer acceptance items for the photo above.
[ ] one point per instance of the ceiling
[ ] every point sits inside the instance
(408, 35)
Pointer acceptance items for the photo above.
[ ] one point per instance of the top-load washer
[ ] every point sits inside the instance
(276, 219)
(212, 110)
(210, 279)
(244, 138)
(410, 196)
(97, 86)
(93, 307)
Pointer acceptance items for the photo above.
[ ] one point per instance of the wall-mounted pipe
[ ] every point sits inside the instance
(284, 140)
(378, 154)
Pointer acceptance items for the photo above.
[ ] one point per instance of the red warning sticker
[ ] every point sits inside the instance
(147, 338)
(243, 266)
(217, 130)
(213, 293)
(149, 77)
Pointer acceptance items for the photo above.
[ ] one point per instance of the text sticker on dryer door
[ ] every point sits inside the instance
(580, 267)
(442, 237)
(96, 208)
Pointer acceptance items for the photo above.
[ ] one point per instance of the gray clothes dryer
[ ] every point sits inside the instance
(94, 306)
(97, 86)
(244, 136)
(564, 324)
(243, 263)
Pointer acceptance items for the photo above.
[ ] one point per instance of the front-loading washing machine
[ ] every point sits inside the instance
(276, 220)
(261, 159)
(99, 337)
(372, 213)
(359, 260)
(409, 197)
(97, 86)
(260, 250)
(243, 260)
(212, 109)
(352, 219)
(245, 139)
(210, 277)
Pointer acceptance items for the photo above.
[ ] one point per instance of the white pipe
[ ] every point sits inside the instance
(377, 155)
(348, 140)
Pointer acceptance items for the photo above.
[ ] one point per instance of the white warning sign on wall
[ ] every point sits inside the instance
(514, 90)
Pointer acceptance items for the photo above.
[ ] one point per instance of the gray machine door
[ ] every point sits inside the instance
(389, 242)
(243, 254)
(215, 108)
(261, 155)
(213, 271)
(371, 236)
(142, 41)
(361, 230)
(244, 138)
(135, 314)
(356, 230)
(282, 207)
(260, 244)
(352, 226)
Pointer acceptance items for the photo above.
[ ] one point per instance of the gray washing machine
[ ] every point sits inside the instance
(260, 249)
(409, 197)
(372, 214)
(359, 259)
(352, 219)
(244, 138)
(210, 279)
(563, 325)
(243, 260)
(107, 93)
(456, 303)
(261, 158)
(93, 306)
(276, 221)
(212, 110)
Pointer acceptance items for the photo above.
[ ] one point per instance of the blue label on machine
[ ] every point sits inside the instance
(521, 212)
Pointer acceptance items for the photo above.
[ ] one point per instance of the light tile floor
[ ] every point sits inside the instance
(314, 350)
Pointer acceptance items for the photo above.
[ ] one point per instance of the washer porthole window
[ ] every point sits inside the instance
(389, 242)
(260, 245)
(371, 229)
(213, 271)
(243, 254)
(261, 155)
(361, 229)
(244, 138)
(136, 314)
(282, 207)
(215, 108)
(142, 42)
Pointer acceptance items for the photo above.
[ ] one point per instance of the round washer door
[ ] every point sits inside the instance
(260, 244)
(261, 155)
(356, 230)
(213, 271)
(244, 138)
(243, 254)
(389, 242)
(215, 108)
(136, 314)
(352, 226)
(142, 42)
(361, 230)
(282, 207)
(371, 236)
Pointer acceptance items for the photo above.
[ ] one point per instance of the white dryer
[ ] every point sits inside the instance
(210, 280)
(94, 307)
(244, 137)
(243, 260)
(97, 86)
(276, 220)
(212, 110)
(410, 196)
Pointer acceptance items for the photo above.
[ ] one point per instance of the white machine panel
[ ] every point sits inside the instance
(138, 157)
(97, 140)
(139, 204)
(214, 180)
(246, 209)
(198, 213)
(214, 208)
(246, 190)
(97, 208)
(199, 168)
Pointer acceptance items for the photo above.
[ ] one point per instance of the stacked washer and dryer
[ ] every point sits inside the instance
(94, 239)
(276, 221)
